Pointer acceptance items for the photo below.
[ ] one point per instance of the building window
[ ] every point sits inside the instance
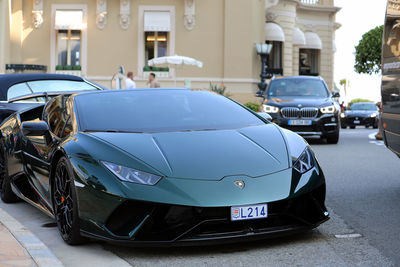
(309, 62)
(156, 45)
(68, 48)
(275, 58)
(68, 37)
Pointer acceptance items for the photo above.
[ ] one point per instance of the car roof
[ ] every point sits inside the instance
(299, 77)
(8, 80)
(134, 90)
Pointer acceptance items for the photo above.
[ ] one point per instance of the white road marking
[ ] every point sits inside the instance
(348, 236)
(372, 136)
(378, 143)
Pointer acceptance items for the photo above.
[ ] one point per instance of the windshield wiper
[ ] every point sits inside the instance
(110, 131)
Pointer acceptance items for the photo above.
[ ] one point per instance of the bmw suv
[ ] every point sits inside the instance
(304, 105)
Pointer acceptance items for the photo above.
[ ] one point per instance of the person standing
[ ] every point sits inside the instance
(153, 83)
(129, 83)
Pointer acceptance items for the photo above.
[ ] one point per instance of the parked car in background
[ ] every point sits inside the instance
(18, 91)
(390, 89)
(303, 104)
(109, 165)
(360, 114)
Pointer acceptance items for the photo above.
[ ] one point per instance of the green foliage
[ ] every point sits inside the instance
(146, 68)
(253, 106)
(358, 100)
(368, 52)
(219, 90)
(77, 67)
(68, 67)
(59, 67)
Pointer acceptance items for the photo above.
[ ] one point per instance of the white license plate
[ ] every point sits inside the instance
(249, 212)
(300, 122)
(356, 122)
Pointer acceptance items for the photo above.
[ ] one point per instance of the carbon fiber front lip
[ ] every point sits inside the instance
(214, 240)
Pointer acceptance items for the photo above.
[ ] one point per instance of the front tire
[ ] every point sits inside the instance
(333, 139)
(352, 127)
(7, 195)
(65, 203)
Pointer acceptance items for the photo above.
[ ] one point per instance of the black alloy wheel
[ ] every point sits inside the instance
(7, 195)
(65, 204)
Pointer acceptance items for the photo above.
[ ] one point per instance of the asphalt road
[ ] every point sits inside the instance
(363, 198)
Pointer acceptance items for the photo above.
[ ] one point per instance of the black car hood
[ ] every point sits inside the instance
(360, 113)
(296, 101)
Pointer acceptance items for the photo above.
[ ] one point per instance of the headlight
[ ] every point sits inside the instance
(328, 109)
(305, 162)
(131, 175)
(271, 109)
(373, 115)
(342, 115)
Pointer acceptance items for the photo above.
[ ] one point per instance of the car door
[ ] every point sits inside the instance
(38, 150)
(390, 88)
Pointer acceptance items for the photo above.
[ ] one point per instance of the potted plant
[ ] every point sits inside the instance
(77, 67)
(68, 67)
(59, 67)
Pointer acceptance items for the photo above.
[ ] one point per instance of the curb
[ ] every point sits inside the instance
(39, 252)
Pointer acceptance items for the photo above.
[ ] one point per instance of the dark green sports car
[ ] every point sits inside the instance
(160, 167)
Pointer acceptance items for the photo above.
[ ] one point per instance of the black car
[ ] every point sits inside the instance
(362, 113)
(19, 91)
(390, 89)
(304, 105)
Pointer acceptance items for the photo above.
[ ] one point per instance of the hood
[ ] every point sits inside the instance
(296, 101)
(207, 155)
(360, 113)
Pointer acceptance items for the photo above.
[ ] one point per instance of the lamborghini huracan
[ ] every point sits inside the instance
(160, 167)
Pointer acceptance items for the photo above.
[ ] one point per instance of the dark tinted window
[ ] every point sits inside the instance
(298, 87)
(58, 116)
(363, 106)
(160, 111)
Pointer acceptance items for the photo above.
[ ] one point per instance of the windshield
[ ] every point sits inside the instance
(48, 86)
(160, 111)
(298, 87)
(364, 106)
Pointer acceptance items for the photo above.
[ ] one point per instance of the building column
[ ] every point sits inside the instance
(16, 29)
(4, 35)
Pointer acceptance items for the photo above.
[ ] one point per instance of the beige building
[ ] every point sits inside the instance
(92, 38)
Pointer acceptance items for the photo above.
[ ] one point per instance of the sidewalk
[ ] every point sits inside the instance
(11, 252)
(20, 247)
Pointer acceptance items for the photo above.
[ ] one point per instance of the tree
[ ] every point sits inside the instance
(344, 83)
(368, 52)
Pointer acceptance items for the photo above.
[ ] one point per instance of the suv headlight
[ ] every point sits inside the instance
(342, 115)
(328, 109)
(305, 162)
(131, 175)
(270, 109)
(373, 115)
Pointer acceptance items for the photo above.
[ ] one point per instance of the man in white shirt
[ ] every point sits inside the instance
(129, 83)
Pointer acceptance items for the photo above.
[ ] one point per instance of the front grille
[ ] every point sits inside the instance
(290, 112)
(299, 113)
(309, 112)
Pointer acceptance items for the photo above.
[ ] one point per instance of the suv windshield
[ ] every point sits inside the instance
(160, 111)
(298, 87)
(364, 106)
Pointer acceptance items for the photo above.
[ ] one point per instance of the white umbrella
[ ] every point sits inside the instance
(173, 61)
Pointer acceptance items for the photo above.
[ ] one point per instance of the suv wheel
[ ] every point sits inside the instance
(333, 138)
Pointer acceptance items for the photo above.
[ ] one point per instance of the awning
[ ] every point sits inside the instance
(298, 37)
(312, 41)
(69, 20)
(157, 21)
(273, 32)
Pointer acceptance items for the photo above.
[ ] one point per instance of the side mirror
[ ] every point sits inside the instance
(335, 94)
(265, 116)
(260, 94)
(35, 128)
